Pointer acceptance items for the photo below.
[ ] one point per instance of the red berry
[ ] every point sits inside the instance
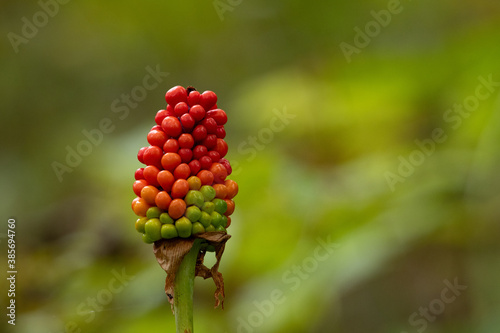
(171, 146)
(175, 95)
(205, 162)
(187, 122)
(160, 115)
(171, 126)
(151, 173)
(180, 109)
(206, 177)
(210, 124)
(140, 154)
(138, 185)
(186, 140)
(214, 156)
(156, 128)
(218, 115)
(221, 147)
(208, 99)
(197, 112)
(157, 138)
(170, 161)
(163, 200)
(227, 165)
(210, 141)
(199, 133)
(152, 156)
(182, 171)
(221, 132)
(193, 97)
(179, 189)
(195, 166)
(186, 154)
(170, 110)
(165, 179)
(199, 151)
(219, 171)
(139, 174)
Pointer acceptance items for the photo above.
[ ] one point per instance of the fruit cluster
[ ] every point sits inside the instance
(183, 189)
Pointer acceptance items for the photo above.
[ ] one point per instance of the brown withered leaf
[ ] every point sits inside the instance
(169, 254)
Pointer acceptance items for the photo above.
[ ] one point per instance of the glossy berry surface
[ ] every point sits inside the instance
(182, 189)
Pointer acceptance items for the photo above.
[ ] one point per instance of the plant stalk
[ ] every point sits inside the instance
(183, 290)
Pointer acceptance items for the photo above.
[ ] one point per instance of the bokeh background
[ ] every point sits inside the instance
(344, 223)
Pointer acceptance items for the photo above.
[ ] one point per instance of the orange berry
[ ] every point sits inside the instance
(194, 183)
(163, 200)
(166, 179)
(177, 208)
(220, 191)
(141, 207)
(149, 193)
(180, 188)
(230, 207)
(206, 177)
(232, 188)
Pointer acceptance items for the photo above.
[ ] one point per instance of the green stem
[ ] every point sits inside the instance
(183, 290)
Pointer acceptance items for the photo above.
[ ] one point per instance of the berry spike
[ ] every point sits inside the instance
(183, 197)
(184, 142)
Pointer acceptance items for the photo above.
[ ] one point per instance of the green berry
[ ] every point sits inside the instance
(220, 206)
(139, 224)
(198, 228)
(183, 226)
(208, 207)
(220, 228)
(166, 219)
(168, 231)
(152, 229)
(153, 212)
(146, 239)
(216, 219)
(205, 219)
(208, 192)
(193, 213)
(194, 198)
(224, 221)
(210, 228)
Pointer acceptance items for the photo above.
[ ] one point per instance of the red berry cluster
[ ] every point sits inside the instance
(185, 167)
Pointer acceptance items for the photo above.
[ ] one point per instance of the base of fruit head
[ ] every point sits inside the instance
(170, 253)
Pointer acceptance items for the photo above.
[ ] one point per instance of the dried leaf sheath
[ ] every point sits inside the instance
(169, 254)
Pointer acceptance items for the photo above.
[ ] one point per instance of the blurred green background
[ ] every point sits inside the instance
(388, 155)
